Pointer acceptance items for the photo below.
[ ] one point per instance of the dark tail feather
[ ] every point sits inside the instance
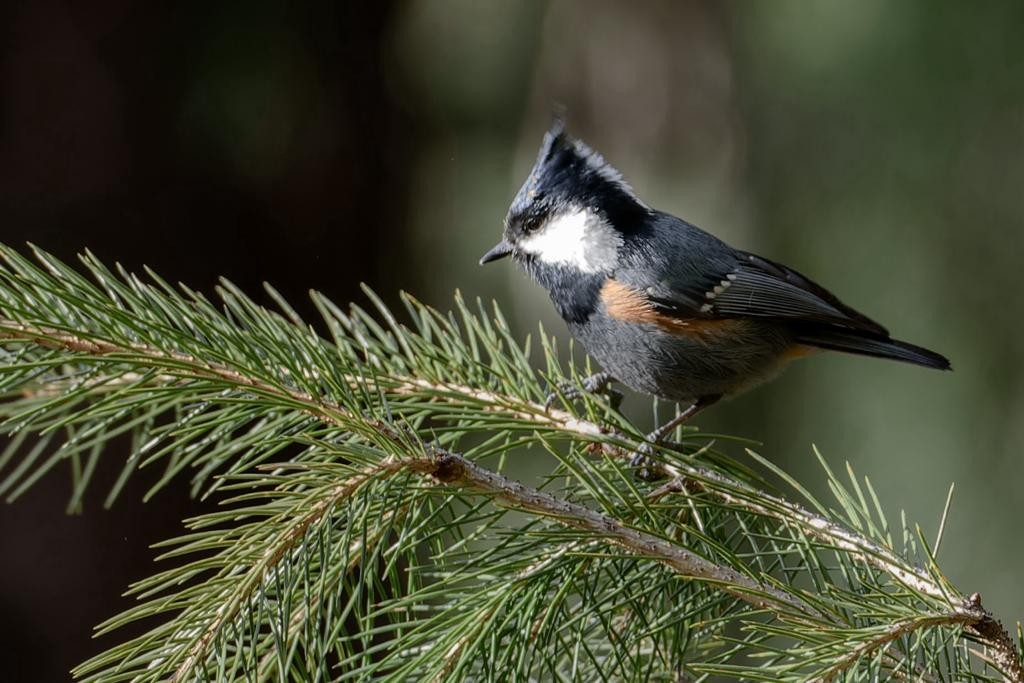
(868, 345)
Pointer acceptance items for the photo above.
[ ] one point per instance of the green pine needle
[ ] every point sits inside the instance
(366, 530)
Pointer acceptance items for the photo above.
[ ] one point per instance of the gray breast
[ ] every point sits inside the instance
(682, 367)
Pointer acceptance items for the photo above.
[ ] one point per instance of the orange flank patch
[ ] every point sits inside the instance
(625, 303)
(799, 351)
(630, 305)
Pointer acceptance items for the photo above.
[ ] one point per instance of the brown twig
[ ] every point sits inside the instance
(273, 555)
(993, 635)
(453, 469)
(893, 632)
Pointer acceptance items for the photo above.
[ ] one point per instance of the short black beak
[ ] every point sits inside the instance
(499, 250)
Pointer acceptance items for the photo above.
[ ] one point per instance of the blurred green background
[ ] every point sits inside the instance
(877, 147)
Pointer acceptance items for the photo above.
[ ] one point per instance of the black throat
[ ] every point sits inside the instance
(575, 295)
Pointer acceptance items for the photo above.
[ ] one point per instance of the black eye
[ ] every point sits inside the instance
(532, 224)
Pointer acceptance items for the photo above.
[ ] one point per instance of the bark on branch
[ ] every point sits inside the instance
(455, 470)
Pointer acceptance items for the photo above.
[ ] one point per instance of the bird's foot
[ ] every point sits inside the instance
(598, 383)
(645, 466)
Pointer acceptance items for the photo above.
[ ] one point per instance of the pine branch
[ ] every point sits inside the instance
(363, 537)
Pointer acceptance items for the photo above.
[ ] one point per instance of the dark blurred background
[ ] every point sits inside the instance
(876, 146)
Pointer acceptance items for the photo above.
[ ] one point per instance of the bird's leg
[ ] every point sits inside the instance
(644, 455)
(598, 383)
(659, 434)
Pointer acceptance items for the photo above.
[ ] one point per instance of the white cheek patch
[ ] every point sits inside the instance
(579, 238)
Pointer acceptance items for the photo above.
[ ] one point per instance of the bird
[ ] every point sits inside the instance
(664, 307)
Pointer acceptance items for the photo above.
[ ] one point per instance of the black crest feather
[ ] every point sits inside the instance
(570, 164)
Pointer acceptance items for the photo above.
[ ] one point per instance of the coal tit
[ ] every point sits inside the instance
(666, 308)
